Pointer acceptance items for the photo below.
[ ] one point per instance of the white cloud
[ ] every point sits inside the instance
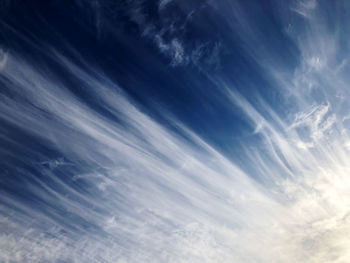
(305, 7)
(315, 120)
(174, 50)
(163, 4)
(3, 58)
(152, 195)
(164, 182)
(162, 199)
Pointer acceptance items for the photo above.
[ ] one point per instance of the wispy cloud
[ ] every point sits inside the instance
(163, 4)
(109, 182)
(174, 50)
(305, 7)
(144, 176)
(169, 34)
(3, 58)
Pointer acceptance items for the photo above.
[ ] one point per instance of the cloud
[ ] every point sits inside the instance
(315, 121)
(305, 7)
(124, 187)
(3, 58)
(169, 34)
(157, 178)
(174, 50)
(163, 4)
(152, 194)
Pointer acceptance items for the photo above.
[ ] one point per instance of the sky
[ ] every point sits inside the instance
(174, 131)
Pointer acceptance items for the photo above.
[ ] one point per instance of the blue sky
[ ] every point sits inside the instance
(174, 131)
